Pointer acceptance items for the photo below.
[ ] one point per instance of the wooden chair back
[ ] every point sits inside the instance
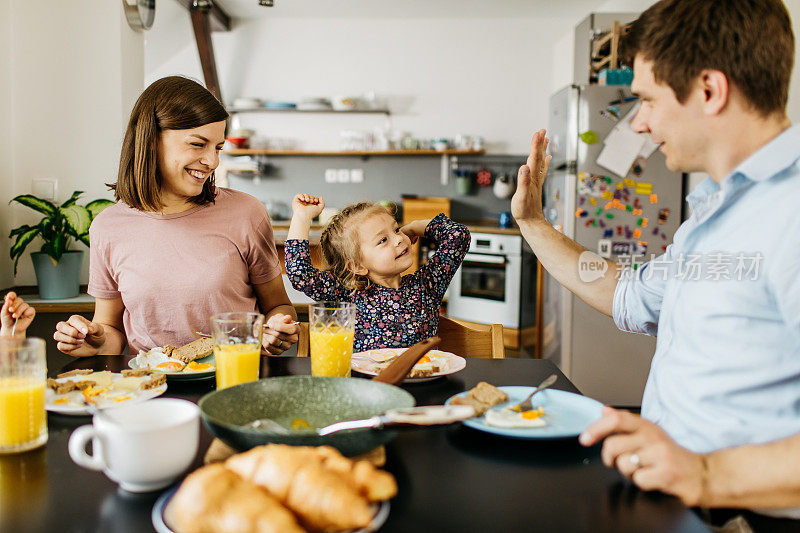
(471, 340)
(466, 340)
(303, 341)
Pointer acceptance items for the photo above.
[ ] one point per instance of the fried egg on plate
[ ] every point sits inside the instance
(156, 360)
(509, 418)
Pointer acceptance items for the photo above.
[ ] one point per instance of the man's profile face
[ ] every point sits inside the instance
(675, 127)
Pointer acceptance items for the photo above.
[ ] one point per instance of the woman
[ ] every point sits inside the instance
(175, 249)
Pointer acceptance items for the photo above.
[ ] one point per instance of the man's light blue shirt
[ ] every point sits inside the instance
(724, 303)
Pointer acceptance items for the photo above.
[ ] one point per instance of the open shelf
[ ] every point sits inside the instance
(248, 151)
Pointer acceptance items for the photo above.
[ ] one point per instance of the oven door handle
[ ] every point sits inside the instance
(488, 259)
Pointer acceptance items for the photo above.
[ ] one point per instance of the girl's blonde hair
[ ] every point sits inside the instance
(340, 244)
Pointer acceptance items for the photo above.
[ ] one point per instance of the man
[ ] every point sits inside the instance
(713, 80)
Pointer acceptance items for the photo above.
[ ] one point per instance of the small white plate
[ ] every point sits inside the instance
(75, 404)
(368, 362)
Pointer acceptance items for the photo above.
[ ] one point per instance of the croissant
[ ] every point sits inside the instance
(215, 500)
(375, 485)
(322, 499)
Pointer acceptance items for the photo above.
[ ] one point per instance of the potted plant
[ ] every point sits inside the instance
(57, 267)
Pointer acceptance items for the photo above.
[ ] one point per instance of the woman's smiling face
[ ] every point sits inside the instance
(186, 159)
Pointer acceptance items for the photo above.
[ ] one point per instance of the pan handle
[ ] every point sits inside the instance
(429, 415)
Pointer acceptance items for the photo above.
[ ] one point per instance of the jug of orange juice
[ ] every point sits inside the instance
(331, 327)
(237, 347)
(23, 373)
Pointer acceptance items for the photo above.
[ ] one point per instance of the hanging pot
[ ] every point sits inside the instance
(503, 186)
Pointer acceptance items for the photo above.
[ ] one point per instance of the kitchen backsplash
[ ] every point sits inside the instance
(385, 178)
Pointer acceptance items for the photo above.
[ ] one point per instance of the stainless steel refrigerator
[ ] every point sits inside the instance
(602, 210)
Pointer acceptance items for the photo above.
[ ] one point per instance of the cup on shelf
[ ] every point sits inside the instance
(344, 103)
(440, 145)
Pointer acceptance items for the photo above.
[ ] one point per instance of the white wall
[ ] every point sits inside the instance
(73, 76)
(6, 131)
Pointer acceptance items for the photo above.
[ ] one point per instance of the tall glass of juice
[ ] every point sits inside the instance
(23, 373)
(331, 327)
(237, 347)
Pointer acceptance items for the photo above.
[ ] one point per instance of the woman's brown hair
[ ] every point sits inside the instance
(171, 103)
(340, 244)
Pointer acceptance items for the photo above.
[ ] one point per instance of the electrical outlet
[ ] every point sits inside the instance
(343, 175)
(330, 175)
(45, 188)
(357, 175)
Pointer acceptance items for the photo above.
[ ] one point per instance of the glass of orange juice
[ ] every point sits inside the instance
(332, 328)
(23, 373)
(237, 347)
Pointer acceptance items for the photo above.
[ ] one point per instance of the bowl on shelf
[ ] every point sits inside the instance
(238, 142)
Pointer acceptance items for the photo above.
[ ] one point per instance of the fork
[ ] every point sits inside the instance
(526, 404)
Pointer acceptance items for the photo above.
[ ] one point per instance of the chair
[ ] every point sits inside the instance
(302, 342)
(471, 340)
(466, 340)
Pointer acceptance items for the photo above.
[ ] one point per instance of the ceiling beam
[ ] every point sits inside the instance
(220, 20)
(201, 17)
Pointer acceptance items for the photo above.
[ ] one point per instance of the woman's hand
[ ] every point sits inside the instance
(415, 229)
(15, 309)
(307, 206)
(280, 332)
(526, 204)
(79, 336)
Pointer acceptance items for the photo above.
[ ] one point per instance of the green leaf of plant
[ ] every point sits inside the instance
(72, 199)
(21, 229)
(96, 206)
(22, 241)
(37, 204)
(59, 245)
(84, 238)
(78, 218)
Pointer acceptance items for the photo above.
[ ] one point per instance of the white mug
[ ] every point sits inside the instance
(143, 447)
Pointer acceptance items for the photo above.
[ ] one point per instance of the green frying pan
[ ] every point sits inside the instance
(318, 401)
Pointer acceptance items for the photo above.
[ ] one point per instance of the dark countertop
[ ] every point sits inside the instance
(450, 479)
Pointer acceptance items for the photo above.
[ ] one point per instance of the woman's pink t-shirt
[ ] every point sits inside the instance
(174, 271)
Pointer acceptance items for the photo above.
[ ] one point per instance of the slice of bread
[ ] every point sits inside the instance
(194, 350)
(156, 380)
(482, 397)
(77, 372)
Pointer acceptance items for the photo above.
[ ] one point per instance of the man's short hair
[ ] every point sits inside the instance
(750, 41)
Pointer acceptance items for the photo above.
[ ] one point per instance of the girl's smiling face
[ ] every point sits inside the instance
(385, 250)
(186, 159)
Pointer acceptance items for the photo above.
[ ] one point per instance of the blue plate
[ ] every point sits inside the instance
(567, 414)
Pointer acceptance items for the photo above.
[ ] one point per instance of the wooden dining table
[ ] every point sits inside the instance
(450, 478)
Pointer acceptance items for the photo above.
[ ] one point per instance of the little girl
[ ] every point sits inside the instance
(365, 253)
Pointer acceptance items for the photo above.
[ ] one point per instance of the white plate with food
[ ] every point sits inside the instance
(434, 364)
(190, 362)
(66, 394)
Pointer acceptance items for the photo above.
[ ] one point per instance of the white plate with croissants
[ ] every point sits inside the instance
(279, 488)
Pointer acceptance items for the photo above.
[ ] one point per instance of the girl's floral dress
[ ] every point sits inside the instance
(386, 317)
